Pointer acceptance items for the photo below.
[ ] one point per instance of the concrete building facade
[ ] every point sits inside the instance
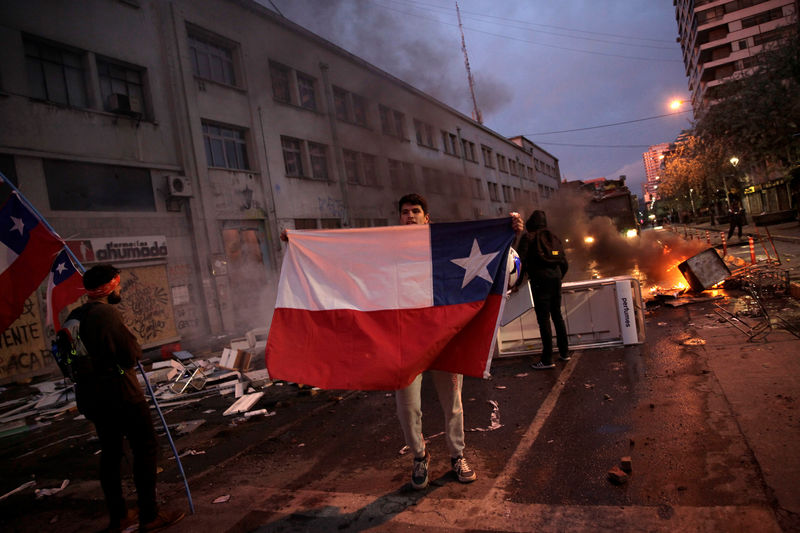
(721, 38)
(653, 158)
(178, 138)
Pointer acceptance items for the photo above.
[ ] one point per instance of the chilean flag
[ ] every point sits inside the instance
(371, 308)
(27, 248)
(64, 286)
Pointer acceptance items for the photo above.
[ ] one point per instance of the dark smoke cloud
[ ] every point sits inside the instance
(652, 255)
(432, 63)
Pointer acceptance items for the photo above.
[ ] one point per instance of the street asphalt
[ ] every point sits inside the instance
(708, 418)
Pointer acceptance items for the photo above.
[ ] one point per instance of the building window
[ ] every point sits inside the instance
(225, 147)
(305, 223)
(350, 166)
(349, 107)
(340, 104)
(292, 156)
(318, 154)
(477, 188)
(100, 187)
(501, 163)
(55, 74)
(306, 88)
(432, 180)
(469, 150)
(424, 134)
(331, 223)
(392, 122)
(401, 175)
(359, 109)
(494, 195)
(360, 168)
(212, 60)
(762, 18)
(449, 143)
(386, 120)
(507, 198)
(121, 87)
(370, 170)
(487, 156)
(512, 167)
(281, 87)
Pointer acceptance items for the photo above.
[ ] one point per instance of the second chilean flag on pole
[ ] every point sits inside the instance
(371, 308)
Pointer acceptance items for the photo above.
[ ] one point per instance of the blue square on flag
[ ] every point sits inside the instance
(466, 258)
(17, 222)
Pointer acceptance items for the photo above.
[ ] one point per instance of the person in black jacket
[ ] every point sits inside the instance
(544, 263)
(736, 214)
(110, 396)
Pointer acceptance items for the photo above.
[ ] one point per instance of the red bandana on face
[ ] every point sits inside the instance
(104, 290)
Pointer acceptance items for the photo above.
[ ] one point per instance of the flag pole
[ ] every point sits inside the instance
(80, 267)
(44, 221)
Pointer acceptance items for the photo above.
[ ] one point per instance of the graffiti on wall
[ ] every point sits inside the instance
(186, 318)
(23, 348)
(330, 207)
(146, 305)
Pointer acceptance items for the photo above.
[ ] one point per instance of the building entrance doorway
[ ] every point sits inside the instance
(252, 286)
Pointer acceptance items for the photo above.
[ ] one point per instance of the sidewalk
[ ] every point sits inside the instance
(787, 231)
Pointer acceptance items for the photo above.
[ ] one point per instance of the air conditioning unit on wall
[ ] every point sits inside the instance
(179, 186)
(124, 104)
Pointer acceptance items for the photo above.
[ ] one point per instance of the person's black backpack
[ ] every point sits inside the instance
(70, 353)
(548, 247)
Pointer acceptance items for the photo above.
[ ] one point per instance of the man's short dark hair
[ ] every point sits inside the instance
(413, 199)
(99, 275)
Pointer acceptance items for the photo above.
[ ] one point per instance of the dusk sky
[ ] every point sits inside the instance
(539, 66)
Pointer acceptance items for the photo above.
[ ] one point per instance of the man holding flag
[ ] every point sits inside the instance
(372, 308)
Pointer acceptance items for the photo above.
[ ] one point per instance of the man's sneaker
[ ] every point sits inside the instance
(542, 366)
(130, 519)
(565, 357)
(163, 520)
(419, 475)
(464, 473)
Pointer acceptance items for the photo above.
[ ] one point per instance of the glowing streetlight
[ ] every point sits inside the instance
(734, 161)
(691, 199)
(676, 104)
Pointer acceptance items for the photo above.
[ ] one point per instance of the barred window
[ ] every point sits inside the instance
(350, 166)
(281, 88)
(55, 74)
(211, 61)
(119, 79)
(292, 156)
(225, 147)
(318, 153)
(306, 87)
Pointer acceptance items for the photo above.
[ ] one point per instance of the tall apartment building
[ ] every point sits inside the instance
(178, 138)
(652, 169)
(721, 38)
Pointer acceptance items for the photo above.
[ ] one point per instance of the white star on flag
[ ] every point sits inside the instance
(475, 265)
(18, 225)
(61, 268)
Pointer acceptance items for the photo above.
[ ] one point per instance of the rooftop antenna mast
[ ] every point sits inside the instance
(476, 113)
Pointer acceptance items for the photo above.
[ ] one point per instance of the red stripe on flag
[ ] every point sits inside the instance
(25, 274)
(379, 350)
(61, 295)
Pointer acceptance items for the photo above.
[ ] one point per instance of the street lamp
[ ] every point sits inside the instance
(691, 200)
(734, 161)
